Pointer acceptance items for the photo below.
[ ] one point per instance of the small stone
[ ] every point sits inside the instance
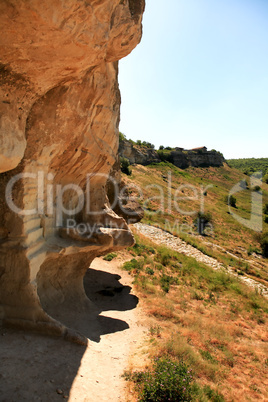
(59, 391)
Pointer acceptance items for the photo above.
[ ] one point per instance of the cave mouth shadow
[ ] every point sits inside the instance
(105, 293)
(51, 363)
(35, 366)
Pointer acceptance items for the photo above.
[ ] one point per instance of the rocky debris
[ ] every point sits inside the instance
(160, 236)
(142, 155)
(59, 107)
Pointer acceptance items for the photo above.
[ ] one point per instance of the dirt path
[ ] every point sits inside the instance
(39, 368)
(162, 237)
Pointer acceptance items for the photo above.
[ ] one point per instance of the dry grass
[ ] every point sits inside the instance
(229, 235)
(213, 322)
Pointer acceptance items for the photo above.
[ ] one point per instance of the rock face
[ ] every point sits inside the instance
(137, 154)
(199, 157)
(59, 116)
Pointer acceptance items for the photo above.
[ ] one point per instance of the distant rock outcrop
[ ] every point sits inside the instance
(59, 116)
(137, 154)
(197, 157)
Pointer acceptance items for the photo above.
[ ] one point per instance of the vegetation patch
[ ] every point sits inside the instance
(166, 380)
(202, 319)
(110, 256)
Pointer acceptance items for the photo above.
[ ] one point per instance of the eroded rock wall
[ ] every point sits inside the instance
(179, 157)
(59, 116)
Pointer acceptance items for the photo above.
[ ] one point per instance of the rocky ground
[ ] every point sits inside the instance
(160, 236)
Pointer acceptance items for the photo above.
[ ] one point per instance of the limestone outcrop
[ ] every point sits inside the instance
(137, 154)
(59, 116)
(182, 158)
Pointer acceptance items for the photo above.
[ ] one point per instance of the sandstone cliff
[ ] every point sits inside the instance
(142, 155)
(59, 115)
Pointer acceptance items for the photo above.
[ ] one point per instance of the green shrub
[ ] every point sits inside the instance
(256, 188)
(266, 219)
(141, 249)
(264, 244)
(262, 238)
(212, 395)
(230, 200)
(165, 255)
(124, 165)
(165, 156)
(122, 137)
(110, 256)
(265, 209)
(149, 271)
(134, 265)
(145, 144)
(265, 178)
(202, 221)
(165, 282)
(167, 381)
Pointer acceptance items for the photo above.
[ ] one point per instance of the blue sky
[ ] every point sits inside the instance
(199, 77)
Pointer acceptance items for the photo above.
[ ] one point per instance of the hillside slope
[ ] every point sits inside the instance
(211, 318)
(172, 199)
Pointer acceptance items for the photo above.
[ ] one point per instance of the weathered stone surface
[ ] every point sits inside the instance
(59, 115)
(138, 154)
(120, 198)
(200, 157)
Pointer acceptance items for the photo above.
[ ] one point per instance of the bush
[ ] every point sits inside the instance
(167, 381)
(262, 238)
(165, 282)
(148, 144)
(145, 144)
(110, 256)
(202, 221)
(230, 200)
(257, 189)
(124, 165)
(165, 156)
(265, 209)
(134, 265)
(265, 178)
(264, 244)
(122, 137)
(213, 396)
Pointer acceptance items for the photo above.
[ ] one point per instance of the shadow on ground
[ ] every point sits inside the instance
(106, 293)
(40, 368)
(35, 367)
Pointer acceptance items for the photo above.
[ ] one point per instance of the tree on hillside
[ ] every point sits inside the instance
(202, 222)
